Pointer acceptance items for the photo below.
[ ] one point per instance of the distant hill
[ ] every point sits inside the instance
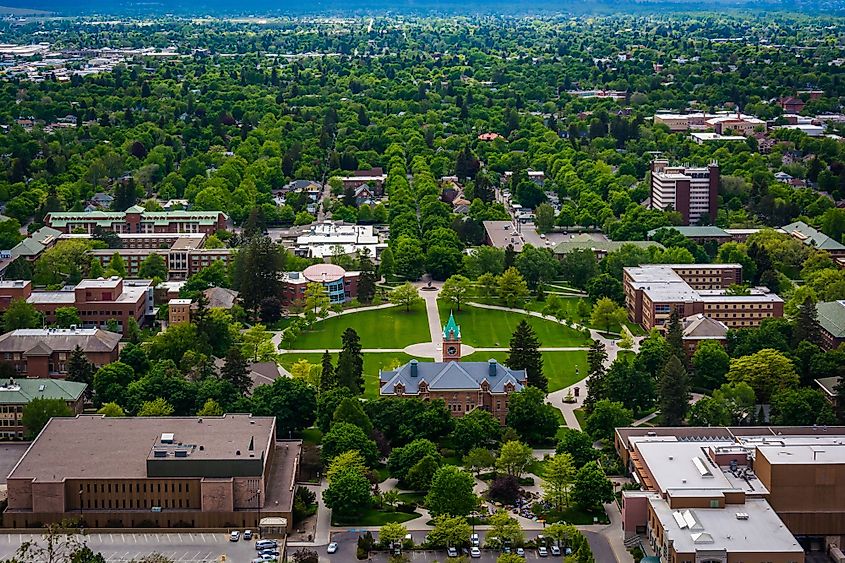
(359, 7)
(12, 11)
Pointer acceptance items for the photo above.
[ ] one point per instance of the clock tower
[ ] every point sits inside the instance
(451, 340)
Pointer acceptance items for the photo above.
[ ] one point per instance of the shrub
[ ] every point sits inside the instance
(504, 489)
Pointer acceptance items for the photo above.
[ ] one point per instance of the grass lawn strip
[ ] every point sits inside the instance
(380, 328)
(486, 328)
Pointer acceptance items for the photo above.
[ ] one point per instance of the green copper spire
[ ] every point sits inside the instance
(451, 327)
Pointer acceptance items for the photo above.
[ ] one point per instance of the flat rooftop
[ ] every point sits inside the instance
(827, 453)
(752, 527)
(673, 465)
(503, 233)
(98, 447)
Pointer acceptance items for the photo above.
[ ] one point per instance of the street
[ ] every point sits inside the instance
(185, 547)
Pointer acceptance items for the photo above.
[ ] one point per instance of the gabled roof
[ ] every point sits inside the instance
(831, 315)
(39, 341)
(699, 326)
(812, 237)
(22, 391)
(220, 297)
(451, 376)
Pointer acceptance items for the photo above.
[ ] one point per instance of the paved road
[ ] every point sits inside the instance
(185, 547)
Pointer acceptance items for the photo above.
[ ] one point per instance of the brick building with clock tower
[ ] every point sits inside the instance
(463, 386)
(451, 340)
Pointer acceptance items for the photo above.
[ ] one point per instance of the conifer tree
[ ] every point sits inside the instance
(807, 323)
(350, 363)
(525, 354)
(596, 356)
(675, 334)
(673, 390)
(235, 370)
(328, 379)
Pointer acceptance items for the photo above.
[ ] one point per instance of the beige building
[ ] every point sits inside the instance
(168, 472)
(178, 311)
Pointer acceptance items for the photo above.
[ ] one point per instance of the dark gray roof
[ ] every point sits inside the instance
(44, 341)
(446, 376)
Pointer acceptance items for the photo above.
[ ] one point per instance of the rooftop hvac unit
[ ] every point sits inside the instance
(159, 453)
(742, 516)
(181, 453)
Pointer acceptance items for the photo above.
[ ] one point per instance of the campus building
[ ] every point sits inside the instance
(16, 394)
(693, 192)
(136, 219)
(44, 352)
(735, 494)
(803, 232)
(324, 240)
(463, 386)
(97, 301)
(831, 317)
(341, 286)
(168, 472)
(653, 291)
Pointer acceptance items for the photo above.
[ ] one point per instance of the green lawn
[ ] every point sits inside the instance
(559, 367)
(572, 515)
(492, 329)
(373, 362)
(375, 517)
(581, 416)
(381, 328)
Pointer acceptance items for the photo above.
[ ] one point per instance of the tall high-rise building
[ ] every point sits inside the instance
(693, 192)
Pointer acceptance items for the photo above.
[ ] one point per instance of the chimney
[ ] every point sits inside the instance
(414, 368)
(491, 367)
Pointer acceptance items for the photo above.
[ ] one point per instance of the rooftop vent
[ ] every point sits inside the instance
(167, 437)
(181, 453)
(491, 367)
(41, 388)
(742, 516)
(414, 368)
(702, 467)
(159, 453)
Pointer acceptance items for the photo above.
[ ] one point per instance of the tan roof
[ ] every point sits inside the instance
(98, 447)
(700, 326)
(45, 341)
(220, 297)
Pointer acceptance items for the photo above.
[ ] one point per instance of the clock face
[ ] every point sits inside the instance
(451, 350)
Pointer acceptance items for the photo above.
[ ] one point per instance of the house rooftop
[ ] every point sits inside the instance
(446, 376)
(23, 340)
(831, 315)
(22, 390)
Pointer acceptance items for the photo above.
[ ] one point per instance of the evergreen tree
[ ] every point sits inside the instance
(366, 279)
(596, 356)
(510, 256)
(675, 334)
(80, 370)
(96, 269)
(116, 265)
(235, 370)
(256, 271)
(525, 354)
(388, 265)
(673, 389)
(328, 380)
(350, 363)
(807, 323)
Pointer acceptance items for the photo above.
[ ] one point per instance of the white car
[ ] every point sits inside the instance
(555, 550)
(261, 545)
(520, 552)
(474, 552)
(451, 552)
(234, 535)
(542, 551)
(473, 539)
(247, 534)
(332, 548)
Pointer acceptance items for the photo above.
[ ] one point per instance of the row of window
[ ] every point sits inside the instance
(136, 503)
(139, 487)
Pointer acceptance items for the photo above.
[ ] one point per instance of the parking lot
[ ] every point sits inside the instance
(185, 547)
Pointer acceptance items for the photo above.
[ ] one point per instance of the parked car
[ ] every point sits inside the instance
(555, 550)
(247, 534)
(332, 547)
(266, 544)
(234, 535)
(452, 551)
(270, 552)
(474, 552)
(473, 539)
(542, 551)
(520, 552)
